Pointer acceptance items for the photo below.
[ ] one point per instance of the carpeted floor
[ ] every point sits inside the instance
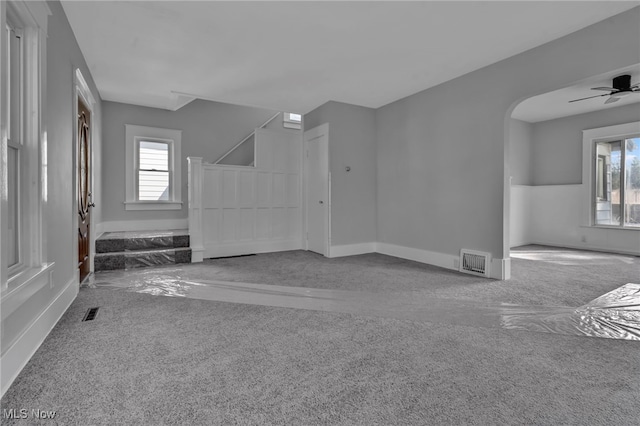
(168, 360)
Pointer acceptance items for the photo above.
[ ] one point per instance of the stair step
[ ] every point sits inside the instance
(115, 242)
(141, 258)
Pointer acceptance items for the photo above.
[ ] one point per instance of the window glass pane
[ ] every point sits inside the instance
(608, 183)
(154, 156)
(14, 207)
(15, 101)
(632, 182)
(153, 185)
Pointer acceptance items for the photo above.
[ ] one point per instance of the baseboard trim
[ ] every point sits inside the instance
(586, 247)
(236, 249)
(442, 260)
(25, 346)
(352, 249)
(141, 225)
(197, 255)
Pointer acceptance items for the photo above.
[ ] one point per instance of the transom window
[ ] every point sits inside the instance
(292, 120)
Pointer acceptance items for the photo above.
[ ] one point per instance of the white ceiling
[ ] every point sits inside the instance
(294, 56)
(556, 104)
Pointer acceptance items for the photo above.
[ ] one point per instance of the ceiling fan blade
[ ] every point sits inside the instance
(596, 96)
(611, 100)
(608, 89)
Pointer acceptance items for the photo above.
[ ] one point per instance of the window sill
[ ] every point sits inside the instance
(153, 205)
(615, 228)
(23, 286)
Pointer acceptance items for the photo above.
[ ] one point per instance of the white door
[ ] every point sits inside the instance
(317, 188)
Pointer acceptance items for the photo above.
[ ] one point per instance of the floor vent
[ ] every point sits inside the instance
(475, 262)
(91, 314)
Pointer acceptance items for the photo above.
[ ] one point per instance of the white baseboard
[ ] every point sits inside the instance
(236, 249)
(20, 352)
(442, 260)
(352, 249)
(587, 247)
(197, 255)
(141, 225)
(500, 268)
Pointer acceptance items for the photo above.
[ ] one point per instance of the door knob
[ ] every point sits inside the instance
(321, 202)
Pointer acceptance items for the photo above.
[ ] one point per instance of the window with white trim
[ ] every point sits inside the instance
(22, 181)
(617, 181)
(611, 176)
(153, 168)
(292, 120)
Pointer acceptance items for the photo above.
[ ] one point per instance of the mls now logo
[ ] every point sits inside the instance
(23, 413)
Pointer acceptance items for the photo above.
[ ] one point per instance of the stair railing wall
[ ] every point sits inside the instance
(235, 210)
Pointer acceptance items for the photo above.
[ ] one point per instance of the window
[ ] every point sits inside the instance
(611, 176)
(292, 121)
(153, 168)
(153, 171)
(22, 182)
(618, 182)
(15, 154)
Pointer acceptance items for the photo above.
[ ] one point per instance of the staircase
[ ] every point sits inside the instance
(128, 250)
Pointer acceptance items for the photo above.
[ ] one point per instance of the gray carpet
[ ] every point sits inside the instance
(166, 360)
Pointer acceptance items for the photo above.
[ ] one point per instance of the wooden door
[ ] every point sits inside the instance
(84, 194)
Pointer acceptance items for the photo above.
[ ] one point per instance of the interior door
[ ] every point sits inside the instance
(84, 194)
(317, 189)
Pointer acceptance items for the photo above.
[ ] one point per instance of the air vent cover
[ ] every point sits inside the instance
(475, 262)
(91, 314)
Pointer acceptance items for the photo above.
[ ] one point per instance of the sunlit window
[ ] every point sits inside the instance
(617, 182)
(153, 173)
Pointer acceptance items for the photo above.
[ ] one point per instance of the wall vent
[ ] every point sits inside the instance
(475, 262)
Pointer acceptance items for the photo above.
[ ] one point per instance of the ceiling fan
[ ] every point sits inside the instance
(621, 88)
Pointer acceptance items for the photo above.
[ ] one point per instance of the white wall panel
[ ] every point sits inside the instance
(211, 224)
(245, 187)
(552, 215)
(246, 224)
(278, 189)
(251, 209)
(228, 187)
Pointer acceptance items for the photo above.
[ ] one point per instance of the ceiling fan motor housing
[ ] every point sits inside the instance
(622, 82)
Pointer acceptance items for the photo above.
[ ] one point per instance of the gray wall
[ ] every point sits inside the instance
(443, 153)
(556, 145)
(520, 152)
(63, 57)
(209, 129)
(353, 194)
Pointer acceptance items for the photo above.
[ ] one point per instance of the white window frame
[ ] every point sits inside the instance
(590, 138)
(133, 135)
(292, 120)
(24, 279)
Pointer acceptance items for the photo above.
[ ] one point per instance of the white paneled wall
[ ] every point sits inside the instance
(237, 210)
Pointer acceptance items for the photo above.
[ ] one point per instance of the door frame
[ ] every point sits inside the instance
(309, 135)
(82, 93)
